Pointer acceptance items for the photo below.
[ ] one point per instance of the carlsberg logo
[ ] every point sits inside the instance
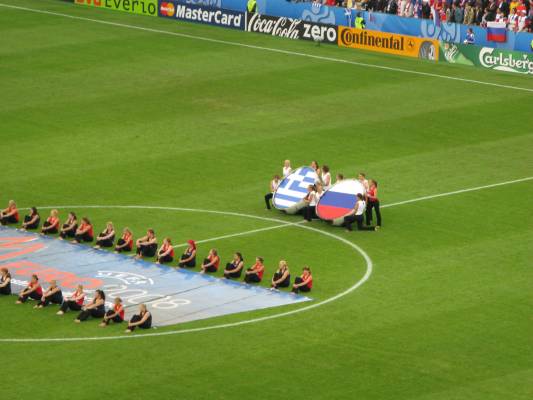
(505, 61)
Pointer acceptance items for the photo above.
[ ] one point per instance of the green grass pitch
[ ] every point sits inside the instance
(94, 114)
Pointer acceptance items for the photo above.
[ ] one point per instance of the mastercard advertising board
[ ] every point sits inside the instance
(390, 43)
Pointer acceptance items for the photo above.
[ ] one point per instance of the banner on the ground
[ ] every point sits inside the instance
(487, 57)
(144, 7)
(291, 28)
(339, 200)
(390, 43)
(292, 190)
(202, 14)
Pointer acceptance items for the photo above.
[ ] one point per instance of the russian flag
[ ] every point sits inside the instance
(339, 200)
(496, 31)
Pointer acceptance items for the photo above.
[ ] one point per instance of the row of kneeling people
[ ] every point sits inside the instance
(76, 302)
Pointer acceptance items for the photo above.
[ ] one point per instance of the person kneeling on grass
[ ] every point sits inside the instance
(9, 215)
(125, 243)
(107, 237)
(147, 245)
(73, 302)
(95, 308)
(52, 295)
(51, 225)
(142, 320)
(84, 233)
(188, 258)
(282, 277)
(33, 291)
(165, 254)
(69, 227)
(5, 281)
(32, 220)
(234, 268)
(304, 282)
(357, 216)
(211, 263)
(116, 314)
(255, 272)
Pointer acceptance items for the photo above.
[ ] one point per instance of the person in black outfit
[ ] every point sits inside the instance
(125, 243)
(84, 233)
(52, 295)
(32, 220)
(95, 309)
(32, 291)
(107, 237)
(147, 245)
(235, 267)
(69, 227)
(5, 281)
(282, 277)
(304, 282)
(9, 215)
(74, 302)
(142, 320)
(188, 258)
(116, 314)
(372, 203)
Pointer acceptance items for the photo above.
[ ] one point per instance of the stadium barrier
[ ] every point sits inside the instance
(301, 29)
(487, 57)
(321, 14)
(143, 7)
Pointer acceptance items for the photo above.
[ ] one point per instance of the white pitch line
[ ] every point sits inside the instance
(271, 49)
(434, 196)
(269, 228)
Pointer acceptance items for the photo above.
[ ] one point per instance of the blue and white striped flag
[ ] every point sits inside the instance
(293, 188)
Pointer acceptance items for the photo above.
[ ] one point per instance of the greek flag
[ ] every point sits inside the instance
(293, 188)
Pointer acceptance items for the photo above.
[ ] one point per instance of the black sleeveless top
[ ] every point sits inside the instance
(148, 322)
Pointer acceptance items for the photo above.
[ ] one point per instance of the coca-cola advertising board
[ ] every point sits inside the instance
(291, 28)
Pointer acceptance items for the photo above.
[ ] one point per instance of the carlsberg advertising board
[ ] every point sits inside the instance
(487, 57)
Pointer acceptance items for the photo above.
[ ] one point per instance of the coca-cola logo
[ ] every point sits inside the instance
(282, 27)
(291, 28)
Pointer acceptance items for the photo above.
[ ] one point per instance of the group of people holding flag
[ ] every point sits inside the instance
(365, 202)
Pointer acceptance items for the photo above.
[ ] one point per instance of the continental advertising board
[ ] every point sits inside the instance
(390, 43)
(487, 57)
(202, 14)
(143, 7)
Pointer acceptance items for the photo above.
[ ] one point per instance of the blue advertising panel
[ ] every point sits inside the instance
(202, 14)
(448, 32)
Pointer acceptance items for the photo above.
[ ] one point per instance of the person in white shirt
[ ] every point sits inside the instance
(311, 200)
(274, 183)
(512, 23)
(339, 177)
(357, 216)
(326, 177)
(362, 178)
(316, 167)
(287, 168)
